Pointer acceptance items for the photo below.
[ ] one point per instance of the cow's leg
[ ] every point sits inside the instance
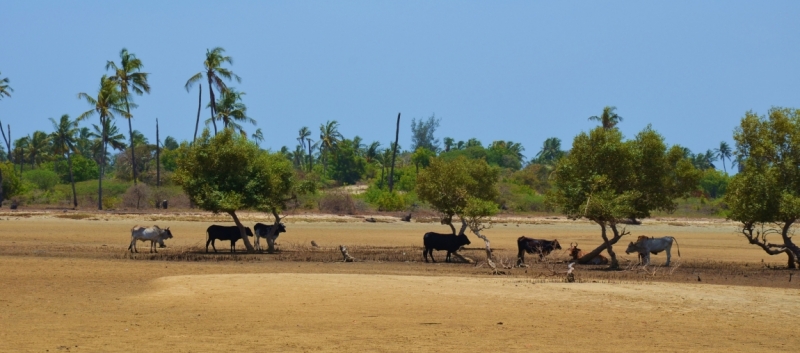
(521, 258)
(668, 257)
(425, 254)
(431, 252)
(132, 247)
(208, 242)
(233, 245)
(213, 241)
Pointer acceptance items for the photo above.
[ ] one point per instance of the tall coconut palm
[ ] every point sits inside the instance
(84, 142)
(358, 146)
(724, 151)
(230, 111)
(609, 119)
(130, 79)
(64, 142)
(372, 151)
(20, 148)
(550, 152)
(107, 104)
(5, 91)
(448, 143)
(258, 137)
(303, 138)
(214, 73)
(37, 149)
(329, 138)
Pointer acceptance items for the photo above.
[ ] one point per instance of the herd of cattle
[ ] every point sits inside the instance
(643, 245)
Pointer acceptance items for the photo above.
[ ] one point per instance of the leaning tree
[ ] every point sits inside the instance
(609, 180)
(463, 188)
(765, 195)
(227, 173)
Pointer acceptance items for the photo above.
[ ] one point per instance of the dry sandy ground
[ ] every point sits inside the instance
(58, 303)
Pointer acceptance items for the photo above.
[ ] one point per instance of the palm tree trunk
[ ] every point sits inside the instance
(72, 181)
(199, 101)
(213, 105)
(102, 165)
(130, 133)
(394, 153)
(310, 156)
(1, 182)
(723, 165)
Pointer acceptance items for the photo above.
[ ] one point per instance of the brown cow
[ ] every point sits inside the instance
(578, 253)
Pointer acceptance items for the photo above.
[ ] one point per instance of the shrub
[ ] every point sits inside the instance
(137, 196)
(41, 179)
(337, 202)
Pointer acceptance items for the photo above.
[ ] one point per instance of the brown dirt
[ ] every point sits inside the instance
(69, 285)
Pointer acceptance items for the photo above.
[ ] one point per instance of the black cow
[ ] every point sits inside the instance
(262, 231)
(231, 234)
(535, 246)
(437, 241)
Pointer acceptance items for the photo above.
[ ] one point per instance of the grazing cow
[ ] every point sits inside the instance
(538, 246)
(262, 231)
(576, 253)
(154, 234)
(438, 241)
(645, 246)
(230, 233)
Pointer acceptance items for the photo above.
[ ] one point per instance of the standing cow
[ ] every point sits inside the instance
(535, 246)
(230, 233)
(262, 231)
(646, 246)
(153, 234)
(438, 241)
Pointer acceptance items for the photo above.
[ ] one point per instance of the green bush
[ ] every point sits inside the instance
(384, 200)
(12, 185)
(41, 179)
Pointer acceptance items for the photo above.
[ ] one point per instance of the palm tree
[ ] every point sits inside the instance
(20, 145)
(473, 142)
(609, 119)
(107, 103)
(37, 149)
(358, 146)
(214, 73)
(372, 151)
(297, 156)
(303, 137)
(329, 138)
(230, 110)
(139, 139)
(258, 137)
(129, 79)
(63, 138)
(114, 138)
(460, 145)
(84, 141)
(724, 151)
(448, 143)
(550, 152)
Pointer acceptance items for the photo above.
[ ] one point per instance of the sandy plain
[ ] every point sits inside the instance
(69, 285)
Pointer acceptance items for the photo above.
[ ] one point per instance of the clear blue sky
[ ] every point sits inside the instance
(511, 70)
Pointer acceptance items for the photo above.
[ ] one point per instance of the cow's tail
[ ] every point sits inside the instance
(676, 244)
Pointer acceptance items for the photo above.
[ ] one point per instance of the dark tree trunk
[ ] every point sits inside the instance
(158, 158)
(102, 165)
(607, 243)
(72, 181)
(310, 156)
(394, 153)
(250, 248)
(271, 234)
(199, 104)
(1, 181)
(382, 172)
(213, 104)
(133, 147)
(7, 141)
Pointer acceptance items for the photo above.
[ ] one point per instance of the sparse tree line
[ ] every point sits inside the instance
(605, 178)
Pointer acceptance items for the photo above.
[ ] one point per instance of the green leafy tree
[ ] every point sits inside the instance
(422, 133)
(63, 138)
(346, 166)
(214, 73)
(609, 119)
(130, 80)
(231, 111)
(38, 147)
(10, 183)
(714, 183)
(107, 104)
(448, 143)
(765, 195)
(464, 188)
(170, 143)
(227, 173)
(329, 138)
(550, 152)
(422, 158)
(258, 137)
(607, 180)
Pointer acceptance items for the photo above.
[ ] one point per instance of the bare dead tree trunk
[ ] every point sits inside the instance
(345, 254)
(760, 239)
(199, 104)
(250, 248)
(7, 140)
(394, 153)
(271, 235)
(158, 157)
(102, 165)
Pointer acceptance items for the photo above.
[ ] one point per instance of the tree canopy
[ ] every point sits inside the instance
(606, 179)
(765, 195)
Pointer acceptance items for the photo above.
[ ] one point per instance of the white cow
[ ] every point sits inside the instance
(154, 234)
(645, 246)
